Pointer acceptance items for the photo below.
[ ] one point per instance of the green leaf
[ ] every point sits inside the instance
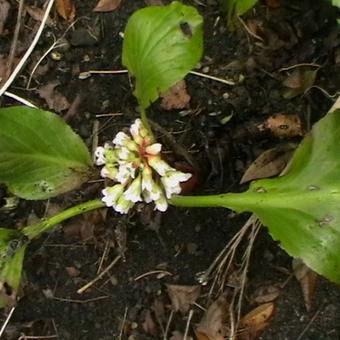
(301, 208)
(336, 3)
(237, 8)
(161, 45)
(40, 155)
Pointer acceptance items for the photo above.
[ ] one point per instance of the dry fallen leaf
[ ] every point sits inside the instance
(270, 163)
(37, 14)
(66, 9)
(265, 294)
(149, 325)
(283, 125)
(176, 97)
(182, 296)
(307, 279)
(55, 100)
(254, 323)
(4, 12)
(213, 325)
(107, 5)
(273, 3)
(299, 81)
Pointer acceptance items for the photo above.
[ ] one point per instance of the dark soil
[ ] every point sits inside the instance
(182, 242)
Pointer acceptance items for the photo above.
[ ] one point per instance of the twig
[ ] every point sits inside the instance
(152, 273)
(29, 50)
(308, 324)
(80, 301)
(92, 282)
(86, 74)
(203, 75)
(15, 38)
(248, 30)
(122, 325)
(105, 253)
(191, 313)
(167, 327)
(36, 337)
(2, 330)
(298, 65)
(19, 99)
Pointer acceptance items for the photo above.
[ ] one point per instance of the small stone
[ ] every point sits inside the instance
(82, 37)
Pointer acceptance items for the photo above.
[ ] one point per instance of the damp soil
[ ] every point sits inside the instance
(174, 247)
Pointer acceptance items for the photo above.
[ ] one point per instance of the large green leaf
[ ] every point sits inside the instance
(301, 208)
(161, 45)
(40, 155)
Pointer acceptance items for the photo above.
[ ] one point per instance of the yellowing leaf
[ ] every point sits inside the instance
(253, 324)
(66, 9)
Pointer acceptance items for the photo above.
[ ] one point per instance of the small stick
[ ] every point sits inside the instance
(248, 30)
(151, 273)
(203, 75)
(308, 324)
(105, 253)
(109, 114)
(95, 130)
(92, 282)
(19, 99)
(167, 327)
(84, 75)
(15, 38)
(2, 330)
(298, 65)
(23, 60)
(185, 336)
(123, 323)
(80, 301)
(34, 337)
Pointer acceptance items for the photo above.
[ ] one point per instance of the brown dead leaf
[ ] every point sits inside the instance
(55, 100)
(270, 163)
(182, 296)
(37, 14)
(4, 12)
(265, 294)
(213, 325)
(66, 9)
(72, 271)
(254, 323)
(273, 3)
(107, 5)
(308, 281)
(299, 81)
(283, 125)
(176, 97)
(149, 325)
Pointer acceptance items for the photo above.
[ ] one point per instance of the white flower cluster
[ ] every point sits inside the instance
(135, 164)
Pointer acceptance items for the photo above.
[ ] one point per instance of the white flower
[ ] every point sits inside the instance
(161, 204)
(100, 155)
(112, 194)
(121, 139)
(123, 205)
(147, 181)
(154, 149)
(171, 182)
(159, 165)
(134, 161)
(134, 191)
(109, 171)
(125, 172)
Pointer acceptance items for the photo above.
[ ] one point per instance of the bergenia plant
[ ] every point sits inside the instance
(140, 174)
(41, 157)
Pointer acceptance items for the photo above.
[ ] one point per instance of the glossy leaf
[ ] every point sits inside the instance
(301, 208)
(161, 45)
(40, 155)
